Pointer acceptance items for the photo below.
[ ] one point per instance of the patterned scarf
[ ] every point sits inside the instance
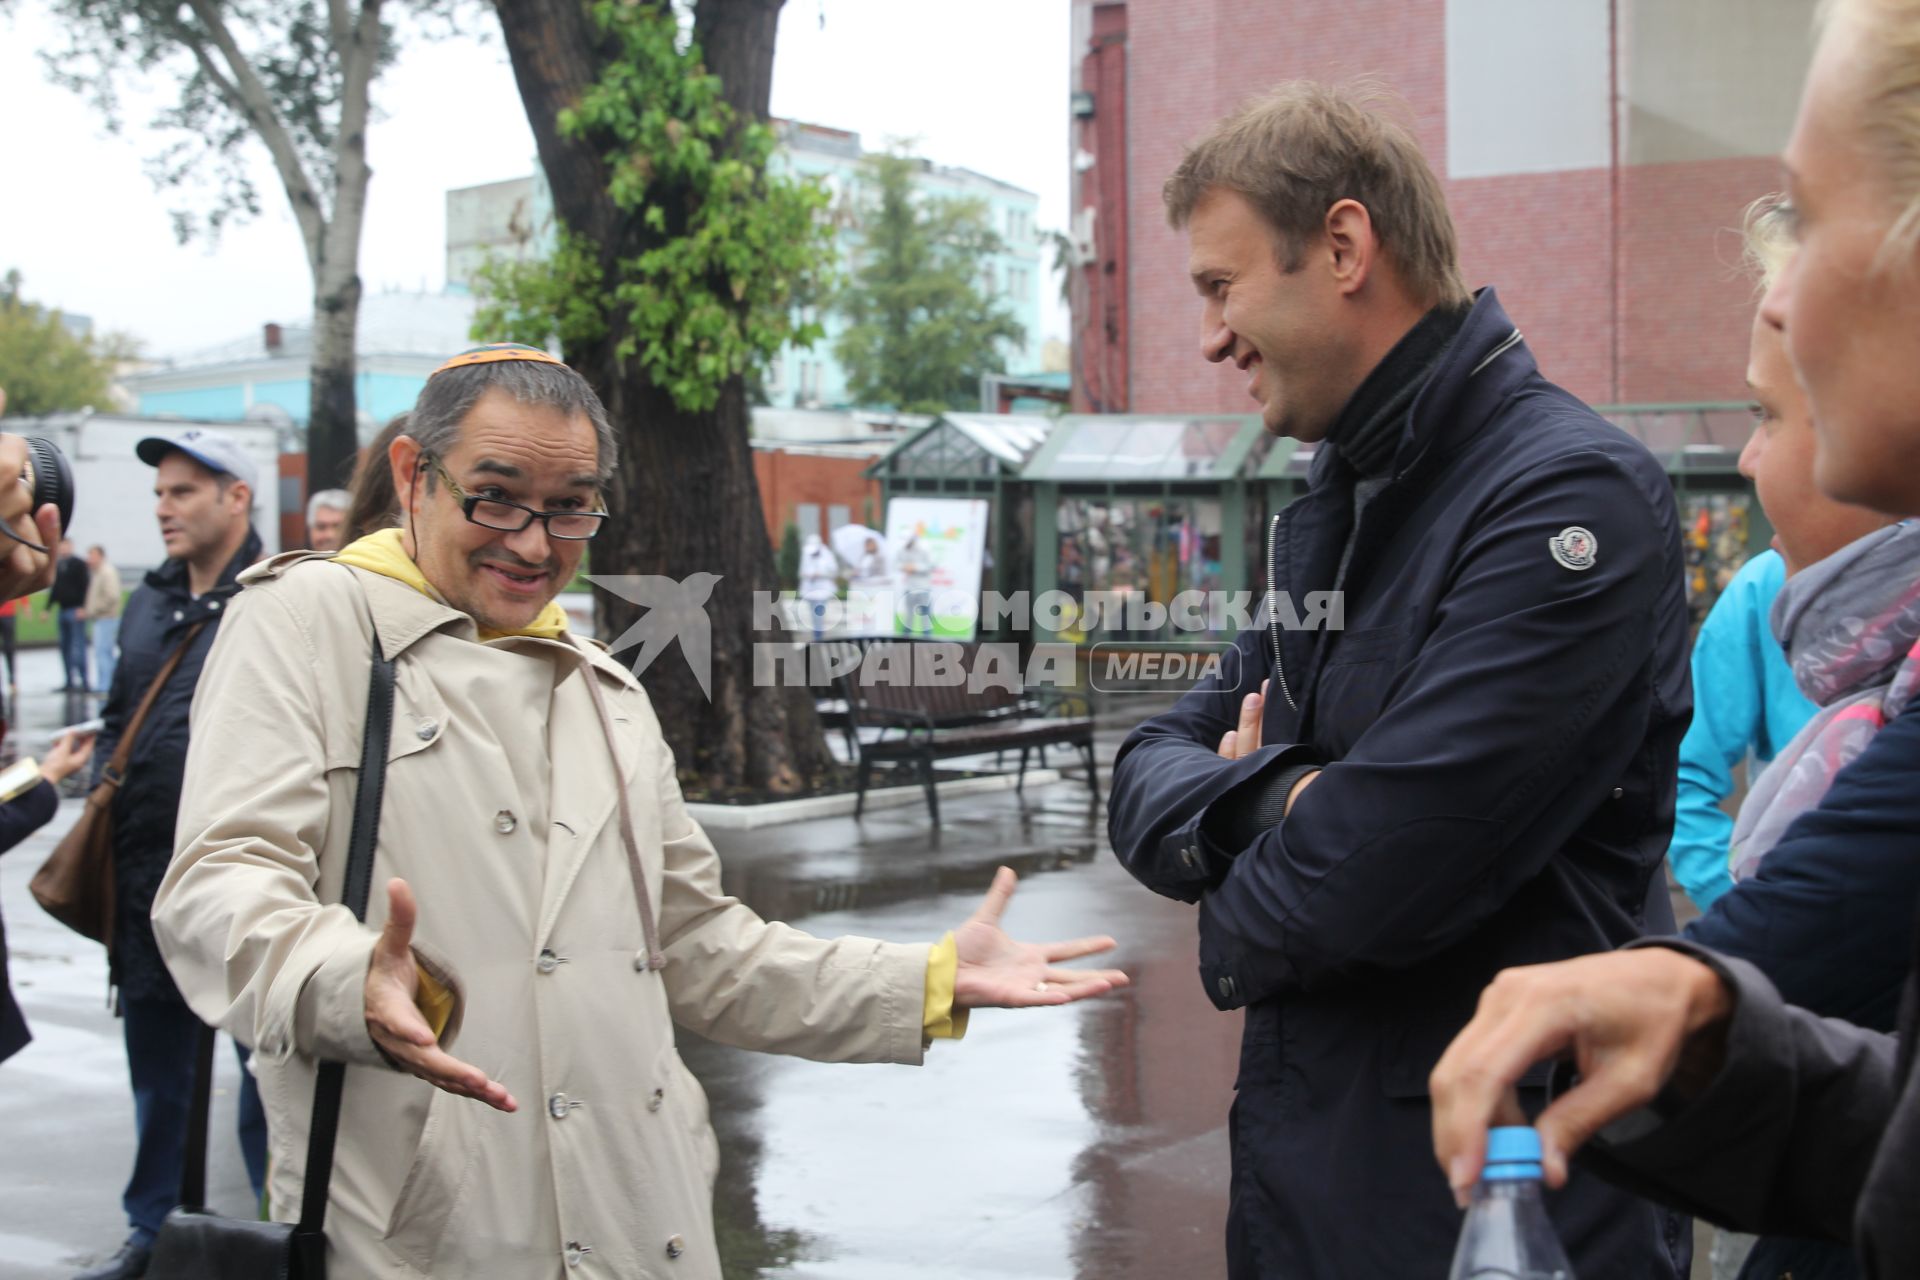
(1851, 628)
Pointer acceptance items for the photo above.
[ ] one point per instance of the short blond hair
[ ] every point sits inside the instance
(1889, 32)
(1766, 236)
(1296, 151)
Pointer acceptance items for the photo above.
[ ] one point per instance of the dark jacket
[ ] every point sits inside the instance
(1829, 921)
(1499, 721)
(1811, 1129)
(158, 616)
(69, 589)
(20, 817)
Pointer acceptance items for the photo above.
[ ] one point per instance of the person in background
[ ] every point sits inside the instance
(1684, 1072)
(204, 487)
(819, 571)
(22, 814)
(327, 519)
(9, 637)
(873, 562)
(1745, 708)
(1746, 703)
(103, 614)
(916, 581)
(67, 599)
(374, 504)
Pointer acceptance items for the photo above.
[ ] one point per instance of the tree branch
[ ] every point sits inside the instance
(251, 98)
(359, 59)
(340, 22)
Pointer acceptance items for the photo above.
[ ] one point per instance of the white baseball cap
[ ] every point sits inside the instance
(211, 449)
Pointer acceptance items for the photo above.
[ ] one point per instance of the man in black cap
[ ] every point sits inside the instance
(204, 486)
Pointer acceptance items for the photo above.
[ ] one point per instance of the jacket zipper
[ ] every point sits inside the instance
(1273, 610)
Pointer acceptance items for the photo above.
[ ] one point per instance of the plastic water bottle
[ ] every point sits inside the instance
(1507, 1235)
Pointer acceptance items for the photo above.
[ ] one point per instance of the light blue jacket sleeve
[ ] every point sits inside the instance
(1745, 707)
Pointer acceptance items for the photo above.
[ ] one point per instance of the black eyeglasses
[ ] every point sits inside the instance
(512, 517)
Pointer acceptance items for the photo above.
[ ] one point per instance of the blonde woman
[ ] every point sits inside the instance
(1706, 1088)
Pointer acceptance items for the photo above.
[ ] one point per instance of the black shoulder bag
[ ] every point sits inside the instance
(197, 1245)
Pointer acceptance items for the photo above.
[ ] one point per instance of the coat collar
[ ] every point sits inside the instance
(1484, 364)
(404, 616)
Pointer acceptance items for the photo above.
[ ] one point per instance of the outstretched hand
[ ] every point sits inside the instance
(395, 1022)
(995, 972)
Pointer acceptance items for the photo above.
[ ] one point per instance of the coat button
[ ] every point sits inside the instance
(558, 1106)
(675, 1246)
(577, 1252)
(547, 962)
(1226, 988)
(179, 614)
(1618, 792)
(1190, 856)
(504, 822)
(426, 730)
(213, 606)
(654, 1100)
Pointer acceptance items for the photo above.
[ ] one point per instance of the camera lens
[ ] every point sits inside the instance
(52, 478)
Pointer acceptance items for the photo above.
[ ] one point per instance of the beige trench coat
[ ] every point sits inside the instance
(607, 1168)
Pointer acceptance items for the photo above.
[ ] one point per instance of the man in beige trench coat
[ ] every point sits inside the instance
(511, 930)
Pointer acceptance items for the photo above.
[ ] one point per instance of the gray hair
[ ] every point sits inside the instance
(450, 395)
(332, 499)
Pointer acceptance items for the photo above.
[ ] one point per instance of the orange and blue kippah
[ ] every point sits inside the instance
(494, 352)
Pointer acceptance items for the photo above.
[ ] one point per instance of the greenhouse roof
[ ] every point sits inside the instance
(1131, 447)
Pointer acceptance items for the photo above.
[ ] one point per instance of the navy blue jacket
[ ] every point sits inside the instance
(1498, 722)
(158, 616)
(1829, 920)
(20, 817)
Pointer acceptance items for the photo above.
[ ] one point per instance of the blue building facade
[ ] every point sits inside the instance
(402, 338)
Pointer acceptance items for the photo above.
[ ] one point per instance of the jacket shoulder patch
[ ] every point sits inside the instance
(1574, 548)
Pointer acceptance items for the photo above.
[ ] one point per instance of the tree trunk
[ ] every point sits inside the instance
(684, 499)
(333, 430)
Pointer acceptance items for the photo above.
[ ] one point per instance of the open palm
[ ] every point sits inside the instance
(996, 972)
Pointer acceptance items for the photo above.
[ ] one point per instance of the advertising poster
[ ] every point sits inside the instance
(935, 549)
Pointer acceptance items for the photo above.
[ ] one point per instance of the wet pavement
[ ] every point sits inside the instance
(1086, 1142)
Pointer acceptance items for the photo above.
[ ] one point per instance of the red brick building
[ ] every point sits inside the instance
(816, 489)
(1597, 155)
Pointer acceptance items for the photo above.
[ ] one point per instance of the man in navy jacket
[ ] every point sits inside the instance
(1476, 770)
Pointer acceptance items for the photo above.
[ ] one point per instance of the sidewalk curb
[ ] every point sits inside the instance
(748, 817)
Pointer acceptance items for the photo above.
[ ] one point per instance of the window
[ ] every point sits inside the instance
(838, 514)
(807, 516)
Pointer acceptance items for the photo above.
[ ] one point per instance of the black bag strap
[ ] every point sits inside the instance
(331, 1081)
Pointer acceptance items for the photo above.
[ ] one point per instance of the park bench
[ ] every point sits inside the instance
(911, 718)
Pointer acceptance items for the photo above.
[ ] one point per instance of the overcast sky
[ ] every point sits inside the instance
(90, 234)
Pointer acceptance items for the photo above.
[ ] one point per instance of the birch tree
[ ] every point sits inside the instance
(294, 76)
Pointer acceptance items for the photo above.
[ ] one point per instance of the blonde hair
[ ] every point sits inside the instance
(1889, 33)
(1295, 152)
(1766, 240)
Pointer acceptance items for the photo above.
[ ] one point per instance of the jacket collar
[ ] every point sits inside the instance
(1484, 364)
(170, 578)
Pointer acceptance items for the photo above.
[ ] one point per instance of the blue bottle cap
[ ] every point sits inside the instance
(1513, 1152)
